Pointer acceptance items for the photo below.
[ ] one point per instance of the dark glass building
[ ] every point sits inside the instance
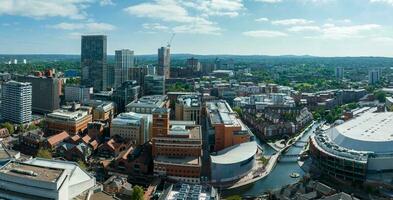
(93, 62)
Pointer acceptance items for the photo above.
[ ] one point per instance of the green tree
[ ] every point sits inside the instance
(238, 110)
(380, 95)
(234, 197)
(137, 193)
(44, 153)
(82, 165)
(8, 126)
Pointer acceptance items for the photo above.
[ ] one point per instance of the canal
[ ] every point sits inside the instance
(280, 175)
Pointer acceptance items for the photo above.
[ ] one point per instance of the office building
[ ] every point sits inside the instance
(177, 148)
(45, 92)
(71, 119)
(154, 85)
(44, 179)
(124, 59)
(111, 75)
(224, 126)
(189, 191)
(189, 108)
(131, 126)
(374, 76)
(101, 110)
(76, 93)
(358, 150)
(94, 62)
(164, 62)
(193, 64)
(16, 102)
(125, 94)
(147, 104)
(339, 72)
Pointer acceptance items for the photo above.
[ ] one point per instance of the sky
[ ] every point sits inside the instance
(242, 27)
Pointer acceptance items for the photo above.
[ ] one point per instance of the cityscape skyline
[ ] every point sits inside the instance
(254, 27)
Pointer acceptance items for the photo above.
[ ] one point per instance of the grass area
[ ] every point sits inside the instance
(263, 160)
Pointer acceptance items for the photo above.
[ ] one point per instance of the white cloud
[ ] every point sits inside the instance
(90, 27)
(73, 9)
(265, 33)
(230, 8)
(269, 1)
(175, 12)
(291, 22)
(331, 31)
(203, 27)
(383, 39)
(154, 26)
(390, 2)
(304, 29)
(262, 19)
(107, 3)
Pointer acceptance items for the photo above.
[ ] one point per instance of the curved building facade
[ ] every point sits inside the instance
(357, 150)
(233, 162)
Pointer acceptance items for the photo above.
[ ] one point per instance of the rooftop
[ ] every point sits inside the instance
(31, 171)
(149, 101)
(64, 114)
(192, 100)
(130, 118)
(179, 160)
(235, 154)
(373, 127)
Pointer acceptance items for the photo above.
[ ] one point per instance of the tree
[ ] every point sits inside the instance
(82, 165)
(137, 193)
(380, 95)
(8, 126)
(234, 197)
(44, 153)
(238, 110)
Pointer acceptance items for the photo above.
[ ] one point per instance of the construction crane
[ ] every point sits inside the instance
(170, 41)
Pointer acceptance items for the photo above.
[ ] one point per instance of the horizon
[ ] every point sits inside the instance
(320, 28)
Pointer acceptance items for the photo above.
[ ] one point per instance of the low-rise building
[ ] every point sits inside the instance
(147, 104)
(112, 148)
(72, 120)
(135, 127)
(188, 191)
(189, 108)
(31, 141)
(233, 163)
(102, 110)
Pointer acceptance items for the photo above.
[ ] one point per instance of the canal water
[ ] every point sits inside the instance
(279, 176)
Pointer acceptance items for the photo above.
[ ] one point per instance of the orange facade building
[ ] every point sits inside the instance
(226, 126)
(177, 148)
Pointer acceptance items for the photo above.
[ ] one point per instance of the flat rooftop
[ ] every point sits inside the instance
(375, 127)
(190, 100)
(179, 160)
(29, 171)
(181, 128)
(152, 101)
(67, 114)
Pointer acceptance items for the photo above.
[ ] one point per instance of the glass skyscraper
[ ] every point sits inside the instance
(94, 62)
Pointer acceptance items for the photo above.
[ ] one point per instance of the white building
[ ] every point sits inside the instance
(16, 102)
(77, 93)
(124, 60)
(133, 126)
(43, 179)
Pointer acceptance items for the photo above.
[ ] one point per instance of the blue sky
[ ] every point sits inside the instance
(268, 27)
